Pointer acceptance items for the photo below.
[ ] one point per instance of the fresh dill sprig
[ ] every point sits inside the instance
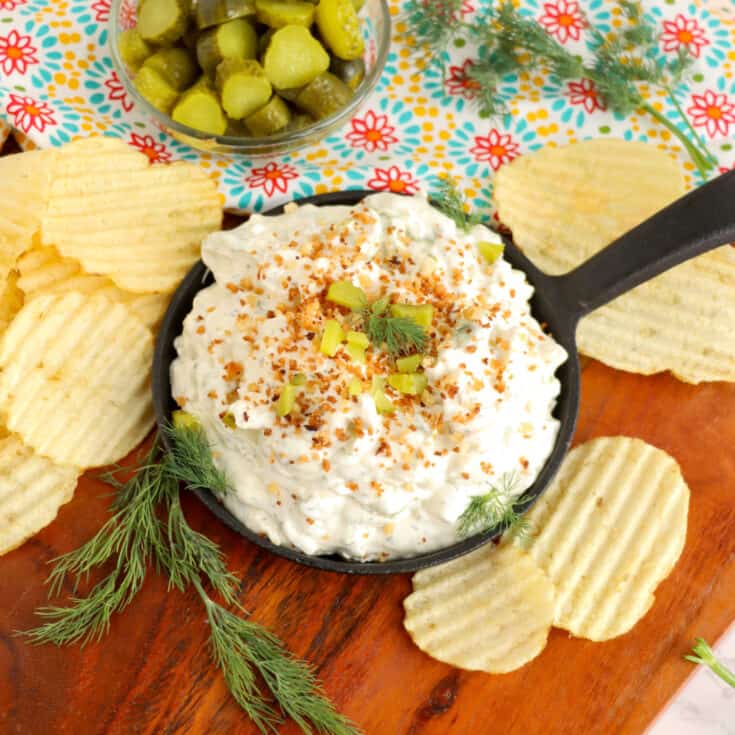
(240, 645)
(703, 654)
(400, 335)
(448, 200)
(495, 509)
(189, 460)
(148, 526)
(510, 43)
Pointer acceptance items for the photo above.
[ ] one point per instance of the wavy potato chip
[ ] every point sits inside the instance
(11, 300)
(23, 204)
(607, 531)
(43, 270)
(139, 224)
(74, 378)
(32, 489)
(565, 204)
(490, 610)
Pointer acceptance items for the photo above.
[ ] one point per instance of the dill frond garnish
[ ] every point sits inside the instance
(148, 527)
(449, 201)
(703, 654)
(495, 509)
(400, 335)
(624, 60)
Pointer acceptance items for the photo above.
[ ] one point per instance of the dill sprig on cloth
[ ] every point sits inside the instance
(509, 43)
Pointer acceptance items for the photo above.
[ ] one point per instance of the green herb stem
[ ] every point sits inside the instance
(703, 654)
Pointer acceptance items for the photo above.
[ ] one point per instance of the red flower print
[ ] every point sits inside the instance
(725, 169)
(467, 7)
(16, 53)
(272, 177)
(156, 152)
(128, 15)
(117, 92)
(393, 179)
(584, 93)
(713, 112)
(562, 19)
(373, 133)
(11, 4)
(683, 33)
(29, 113)
(459, 83)
(101, 10)
(494, 148)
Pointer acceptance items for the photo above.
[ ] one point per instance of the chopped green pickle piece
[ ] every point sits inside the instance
(347, 294)
(280, 13)
(269, 119)
(243, 87)
(175, 65)
(294, 57)
(356, 352)
(162, 21)
(235, 39)
(339, 27)
(287, 400)
(324, 95)
(199, 108)
(298, 379)
(409, 364)
(133, 49)
(299, 121)
(351, 73)
(412, 384)
(154, 88)
(355, 387)
(359, 339)
(491, 251)
(184, 420)
(332, 338)
(213, 12)
(228, 420)
(422, 314)
(383, 404)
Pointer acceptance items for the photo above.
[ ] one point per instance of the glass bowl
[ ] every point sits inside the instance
(376, 30)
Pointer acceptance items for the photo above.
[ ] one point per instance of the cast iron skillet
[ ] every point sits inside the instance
(700, 221)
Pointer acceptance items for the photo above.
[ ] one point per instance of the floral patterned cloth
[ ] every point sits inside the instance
(57, 83)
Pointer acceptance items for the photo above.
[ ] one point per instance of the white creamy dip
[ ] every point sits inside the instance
(336, 476)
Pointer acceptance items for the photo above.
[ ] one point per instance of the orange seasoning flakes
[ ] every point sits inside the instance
(233, 370)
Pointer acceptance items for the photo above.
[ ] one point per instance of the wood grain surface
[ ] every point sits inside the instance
(152, 673)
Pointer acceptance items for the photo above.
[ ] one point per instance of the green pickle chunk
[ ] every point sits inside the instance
(133, 49)
(175, 65)
(332, 337)
(491, 251)
(422, 314)
(294, 57)
(280, 13)
(213, 12)
(383, 404)
(162, 21)
(324, 96)
(409, 364)
(352, 73)
(235, 39)
(356, 353)
(347, 294)
(287, 400)
(184, 420)
(299, 121)
(412, 384)
(355, 387)
(339, 27)
(199, 108)
(155, 89)
(243, 87)
(270, 118)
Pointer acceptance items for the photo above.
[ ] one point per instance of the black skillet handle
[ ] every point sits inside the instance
(692, 225)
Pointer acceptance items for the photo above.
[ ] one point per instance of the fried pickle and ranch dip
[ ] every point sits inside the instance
(333, 443)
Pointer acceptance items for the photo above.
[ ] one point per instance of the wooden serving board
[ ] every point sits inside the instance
(152, 674)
